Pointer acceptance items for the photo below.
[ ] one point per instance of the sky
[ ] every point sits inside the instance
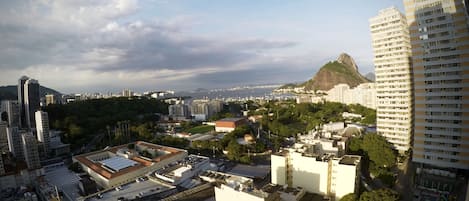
(77, 46)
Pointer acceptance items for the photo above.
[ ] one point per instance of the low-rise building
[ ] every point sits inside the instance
(183, 170)
(235, 188)
(57, 148)
(229, 124)
(323, 145)
(320, 174)
(123, 164)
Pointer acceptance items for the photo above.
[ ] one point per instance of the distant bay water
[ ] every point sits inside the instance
(238, 93)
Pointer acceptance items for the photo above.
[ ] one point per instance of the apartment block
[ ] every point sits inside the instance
(392, 52)
(320, 174)
(440, 52)
(439, 35)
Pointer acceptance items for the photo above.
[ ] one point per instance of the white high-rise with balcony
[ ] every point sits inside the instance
(42, 127)
(392, 54)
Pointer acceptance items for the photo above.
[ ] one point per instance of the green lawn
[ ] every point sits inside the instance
(201, 129)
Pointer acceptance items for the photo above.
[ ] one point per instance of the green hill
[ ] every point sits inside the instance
(11, 92)
(343, 70)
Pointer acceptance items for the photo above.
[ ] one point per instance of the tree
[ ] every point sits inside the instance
(245, 159)
(379, 150)
(144, 132)
(355, 145)
(349, 197)
(75, 131)
(234, 150)
(380, 195)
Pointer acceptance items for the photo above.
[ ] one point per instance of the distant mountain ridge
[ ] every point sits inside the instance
(10, 92)
(344, 70)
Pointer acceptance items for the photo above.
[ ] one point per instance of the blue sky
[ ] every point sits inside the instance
(97, 46)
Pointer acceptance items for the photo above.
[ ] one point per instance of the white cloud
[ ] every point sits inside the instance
(84, 44)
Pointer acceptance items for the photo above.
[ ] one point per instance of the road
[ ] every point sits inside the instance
(403, 183)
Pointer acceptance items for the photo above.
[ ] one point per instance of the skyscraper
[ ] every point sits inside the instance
(21, 101)
(3, 137)
(31, 153)
(392, 51)
(31, 101)
(42, 128)
(12, 110)
(14, 142)
(440, 55)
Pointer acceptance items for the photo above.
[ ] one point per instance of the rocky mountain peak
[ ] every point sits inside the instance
(347, 60)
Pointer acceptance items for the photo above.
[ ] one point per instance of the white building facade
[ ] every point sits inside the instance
(42, 128)
(392, 54)
(325, 175)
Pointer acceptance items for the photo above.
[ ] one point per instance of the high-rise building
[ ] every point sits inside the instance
(14, 142)
(21, 101)
(439, 34)
(50, 99)
(179, 110)
(12, 110)
(32, 101)
(3, 136)
(392, 52)
(127, 93)
(42, 129)
(200, 110)
(31, 153)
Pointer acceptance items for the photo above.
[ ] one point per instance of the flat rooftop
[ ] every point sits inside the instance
(230, 119)
(118, 163)
(111, 163)
(251, 171)
(132, 190)
(272, 188)
(350, 160)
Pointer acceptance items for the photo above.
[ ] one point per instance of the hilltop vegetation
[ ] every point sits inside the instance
(84, 119)
(343, 70)
(334, 73)
(288, 118)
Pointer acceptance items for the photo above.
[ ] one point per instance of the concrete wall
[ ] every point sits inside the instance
(278, 167)
(345, 177)
(225, 193)
(310, 174)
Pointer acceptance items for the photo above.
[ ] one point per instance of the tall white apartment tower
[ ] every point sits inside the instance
(42, 128)
(392, 60)
(439, 33)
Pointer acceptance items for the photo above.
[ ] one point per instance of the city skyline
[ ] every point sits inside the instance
(146, 45)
